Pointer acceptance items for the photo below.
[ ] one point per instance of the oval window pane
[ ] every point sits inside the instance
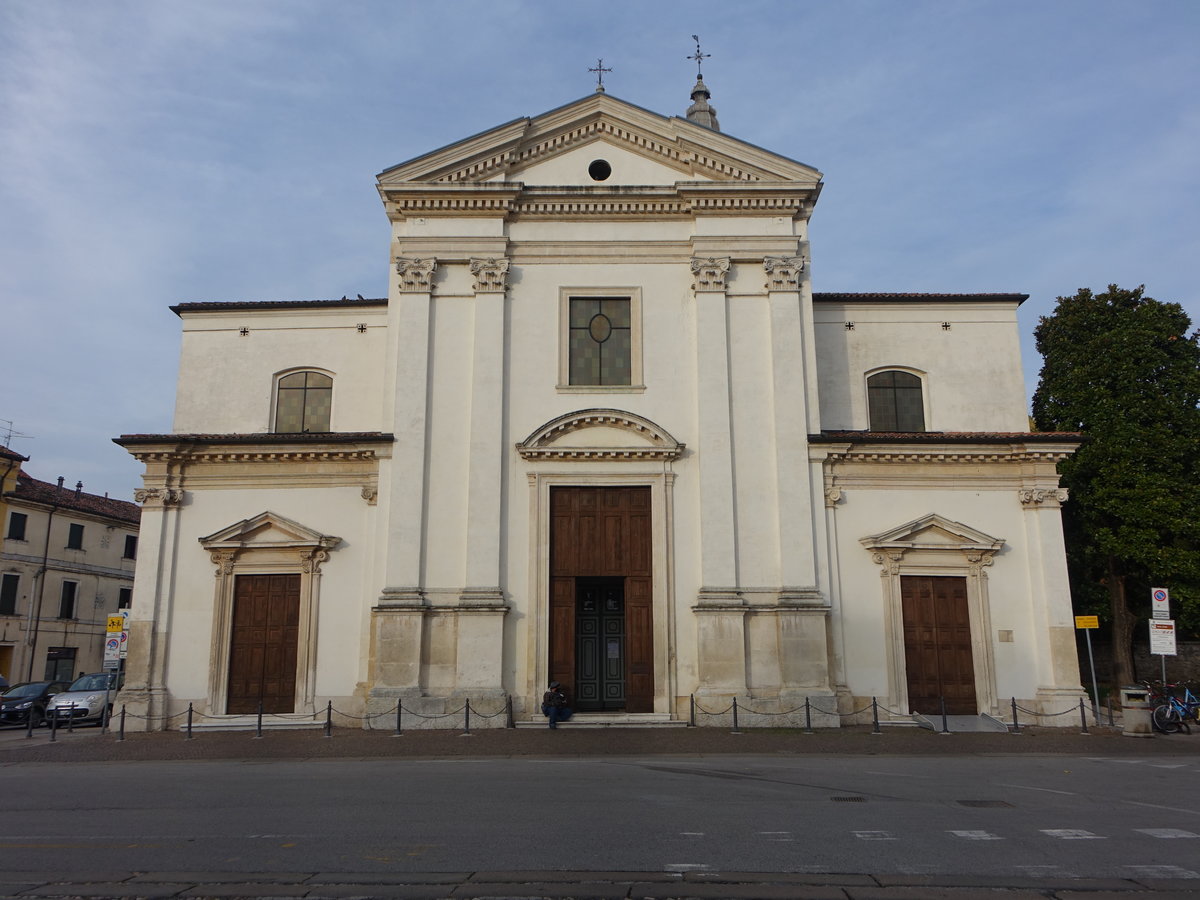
(600, 328)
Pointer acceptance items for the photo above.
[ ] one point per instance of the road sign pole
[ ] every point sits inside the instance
(1095, 690)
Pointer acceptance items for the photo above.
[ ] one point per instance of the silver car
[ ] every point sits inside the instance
(84, 700)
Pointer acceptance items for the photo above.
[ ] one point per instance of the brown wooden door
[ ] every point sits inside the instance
(602, 533)
(262, 650)
(937, 645)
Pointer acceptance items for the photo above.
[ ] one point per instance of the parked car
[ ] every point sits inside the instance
(30, 698)
(83, 700)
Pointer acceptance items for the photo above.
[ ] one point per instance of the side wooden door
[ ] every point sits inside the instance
(937, 645)
(262, 647)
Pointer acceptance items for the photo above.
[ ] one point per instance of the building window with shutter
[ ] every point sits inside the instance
(8, 594)
(75, 536)
(130, 547)
(16, 526)
(66, 602)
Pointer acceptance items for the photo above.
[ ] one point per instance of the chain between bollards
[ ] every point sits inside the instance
(189, 722)
(875, 717)
(735, 717)
(329, 718)
(807, 717)
(1083, 717)
(121, 729)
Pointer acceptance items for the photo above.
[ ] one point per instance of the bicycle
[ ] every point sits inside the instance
(1173, 713)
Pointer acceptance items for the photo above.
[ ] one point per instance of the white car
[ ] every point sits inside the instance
(84, 700)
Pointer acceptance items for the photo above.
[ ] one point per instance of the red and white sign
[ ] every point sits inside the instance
(1160, 603)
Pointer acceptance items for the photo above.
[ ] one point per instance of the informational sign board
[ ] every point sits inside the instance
(1082, 622)
(1162, 637)
(1160, 603)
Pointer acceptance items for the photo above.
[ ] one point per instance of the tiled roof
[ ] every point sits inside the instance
(826, 297)
(308, 437)
(5, 453)
(947, 437)
(234, 305)
(65, 498)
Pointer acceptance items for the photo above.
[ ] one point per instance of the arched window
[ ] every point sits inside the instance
(894, 402)
(303, 403)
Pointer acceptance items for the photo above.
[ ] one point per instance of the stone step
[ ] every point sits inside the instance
(609, 720)
(249, 723)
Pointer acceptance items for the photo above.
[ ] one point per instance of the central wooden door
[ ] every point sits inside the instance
(937, 645)
(600, 548)
(262, 647)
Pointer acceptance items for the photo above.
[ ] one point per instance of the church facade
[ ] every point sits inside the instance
(601, 431)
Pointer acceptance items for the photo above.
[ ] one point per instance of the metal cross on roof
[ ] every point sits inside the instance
(698, 56)
(599, 69)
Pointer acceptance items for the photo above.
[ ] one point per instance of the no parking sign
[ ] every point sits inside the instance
(1160, 603)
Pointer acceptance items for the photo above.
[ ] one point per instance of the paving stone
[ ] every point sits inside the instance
(1169, 884)
(1053, 882)
(348, 878)
(1169, 894)
(245, 890)
(687, 890)
(551, 877)
(947, 893)
(102, 889)
(381, 892)
(561, 890)
(778, 878)
(219, 877)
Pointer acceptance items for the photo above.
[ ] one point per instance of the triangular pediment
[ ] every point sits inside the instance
(555, 148)
(932, 532)
(600, 434)
(267, 530)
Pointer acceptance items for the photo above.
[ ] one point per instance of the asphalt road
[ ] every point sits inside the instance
(1010, 817)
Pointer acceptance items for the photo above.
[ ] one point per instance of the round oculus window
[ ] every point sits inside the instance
(600, 328)
(599, 170)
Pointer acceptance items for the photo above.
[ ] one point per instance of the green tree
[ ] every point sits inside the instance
(1122, 368)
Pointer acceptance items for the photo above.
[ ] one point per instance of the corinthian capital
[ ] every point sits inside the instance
(710, 273)
(491, 275)
(416, 275)
(783, 272)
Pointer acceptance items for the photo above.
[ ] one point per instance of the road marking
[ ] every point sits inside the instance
(976, 835)
(1026, 787)
(1162, 872)
(1190, 812)
(874, 835)
(1169, 765)
(1167, 832)
(685, 867)
(692, 833)
(1072, 834)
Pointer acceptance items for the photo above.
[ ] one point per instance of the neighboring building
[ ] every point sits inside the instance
(601, 431)
(67, 563)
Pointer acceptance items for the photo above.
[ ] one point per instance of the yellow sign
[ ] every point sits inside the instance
(115, 623)
(1087, 621)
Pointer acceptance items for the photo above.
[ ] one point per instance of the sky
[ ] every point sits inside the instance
(155, 152)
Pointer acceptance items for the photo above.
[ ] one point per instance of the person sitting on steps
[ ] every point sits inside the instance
(554, 705)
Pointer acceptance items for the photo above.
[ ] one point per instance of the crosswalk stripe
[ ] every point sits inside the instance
(1072, 834)
(1163, 872)
(976, 835)
(874, 835)
(1167, 833)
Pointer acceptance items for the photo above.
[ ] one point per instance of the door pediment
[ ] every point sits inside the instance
(596, 434)
(933, 532)
(268, 531)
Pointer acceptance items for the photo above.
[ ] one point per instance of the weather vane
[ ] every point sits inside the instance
(599, 69)
(698, 56)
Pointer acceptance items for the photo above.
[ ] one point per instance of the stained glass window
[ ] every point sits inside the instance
(601, 341)
(304, 403)
(894, 402)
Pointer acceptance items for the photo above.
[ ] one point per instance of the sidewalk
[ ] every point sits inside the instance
(587, 886)
(90, 745)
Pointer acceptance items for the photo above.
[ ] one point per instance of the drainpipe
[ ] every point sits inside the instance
(35, 620)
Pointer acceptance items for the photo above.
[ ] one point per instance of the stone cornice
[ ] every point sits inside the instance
(271, 448)
(544, 442)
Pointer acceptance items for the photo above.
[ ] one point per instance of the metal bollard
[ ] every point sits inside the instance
(121, 729)
(466, 719)
(945, 727)
(399, 710)
(189, 724)
(71, 719)
(735, 718)
(875, 717)
(258, 727)
(1111, 723)
(1082, 717)
(29, 723)
(54, 725)
(807, 717)
(691, 710)
(508, 713)
(329, 718)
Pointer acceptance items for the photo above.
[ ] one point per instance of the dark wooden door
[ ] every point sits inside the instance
(262, 651)
(602, 533)
(599, 643)
(937, 645)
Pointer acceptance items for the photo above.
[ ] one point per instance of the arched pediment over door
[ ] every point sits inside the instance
(600, 434)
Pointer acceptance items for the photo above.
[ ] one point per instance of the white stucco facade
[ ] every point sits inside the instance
(773, 534)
